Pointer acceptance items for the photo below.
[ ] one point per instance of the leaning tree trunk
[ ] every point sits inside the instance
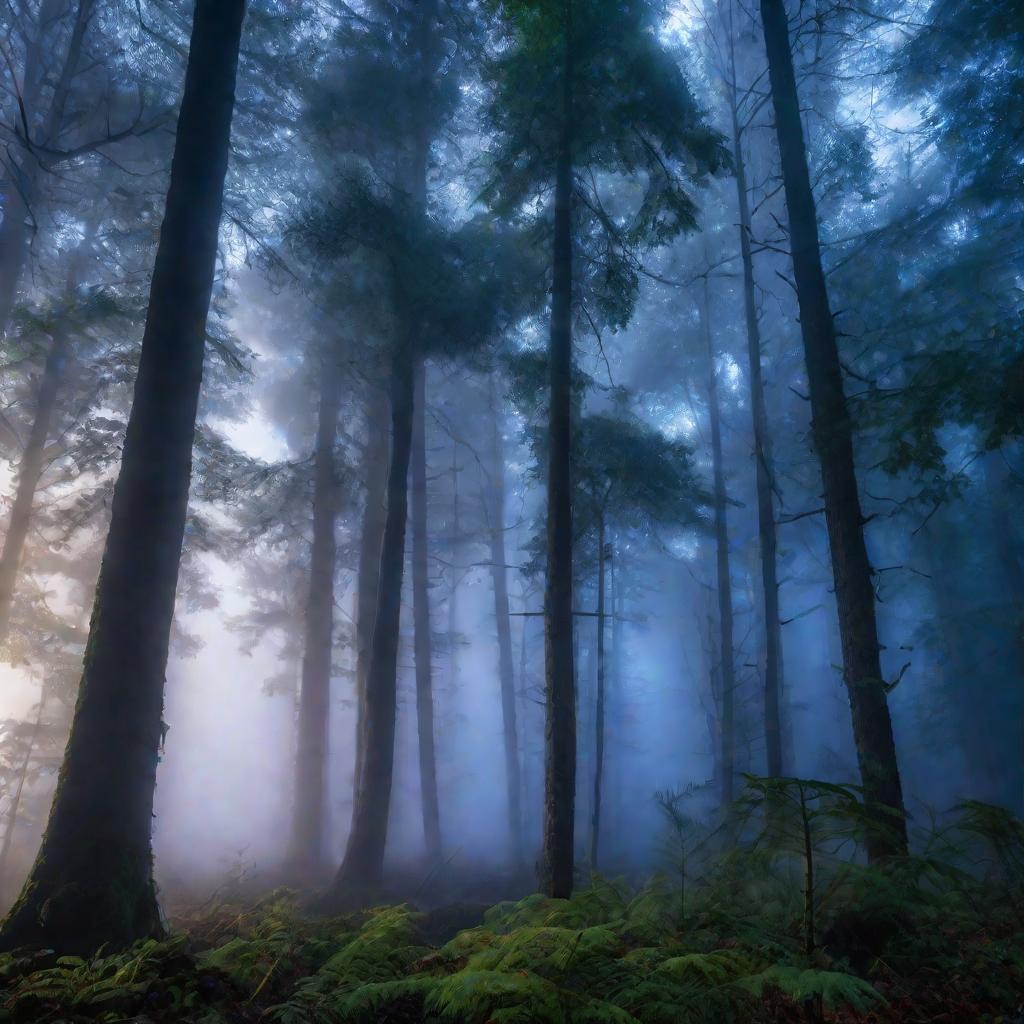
(92, 882)
(371, 537)
(599, 714)
(726, 656)
(310, 806)
(762, 457)
(30, 470)
(559, 671)
(423, 641)
(362, 869)
(833, 440)
(506, 672)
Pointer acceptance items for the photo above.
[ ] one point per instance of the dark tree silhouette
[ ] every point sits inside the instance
(92, 882)
(833, 440)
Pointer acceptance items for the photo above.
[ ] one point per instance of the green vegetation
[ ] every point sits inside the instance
(920, 939)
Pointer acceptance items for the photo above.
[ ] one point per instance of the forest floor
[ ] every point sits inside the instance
(915, 943)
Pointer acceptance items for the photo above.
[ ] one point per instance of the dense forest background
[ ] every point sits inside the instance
(590, 430)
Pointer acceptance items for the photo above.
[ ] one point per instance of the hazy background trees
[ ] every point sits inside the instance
(697, 333)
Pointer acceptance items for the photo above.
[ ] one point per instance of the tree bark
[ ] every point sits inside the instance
(92, 882)
(29, 471)
(310, 807)
(599, 714)
(371, 537)
(423, 640)
(833, 440)
(766, 531)
(506, 671)
(726, 656)
(362, 869)
(559, 671)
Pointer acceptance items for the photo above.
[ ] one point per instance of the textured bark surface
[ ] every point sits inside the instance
(723, 578)
(362, 869)
(309, 807)
(559, 672)
(92, 882)
(423, 638)
(503, 622)
(833, 441)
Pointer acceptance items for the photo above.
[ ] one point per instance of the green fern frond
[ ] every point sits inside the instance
(836, 990)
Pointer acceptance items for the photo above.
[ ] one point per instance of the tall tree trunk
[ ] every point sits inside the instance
(833, 440)
(726, 656)
(423, 644)
(371, 537)
(595, 823)
(362, 869)
(30, 470)
(310, 805)
(762, 451)
(506, 672)
(559, 671)
(92, 882)
(423, 640)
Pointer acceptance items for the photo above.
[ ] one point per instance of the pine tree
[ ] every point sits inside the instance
(92, 881)
(833, 439)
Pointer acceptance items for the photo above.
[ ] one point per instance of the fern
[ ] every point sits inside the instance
(835, 990)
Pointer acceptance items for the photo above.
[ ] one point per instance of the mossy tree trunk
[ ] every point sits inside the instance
(92, 882)
(833, 440)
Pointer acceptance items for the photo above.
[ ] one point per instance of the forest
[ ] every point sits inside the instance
(507, 511)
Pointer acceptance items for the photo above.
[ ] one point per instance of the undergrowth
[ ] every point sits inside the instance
(921, 940)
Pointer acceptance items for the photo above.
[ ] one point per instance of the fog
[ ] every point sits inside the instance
(387, 279)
